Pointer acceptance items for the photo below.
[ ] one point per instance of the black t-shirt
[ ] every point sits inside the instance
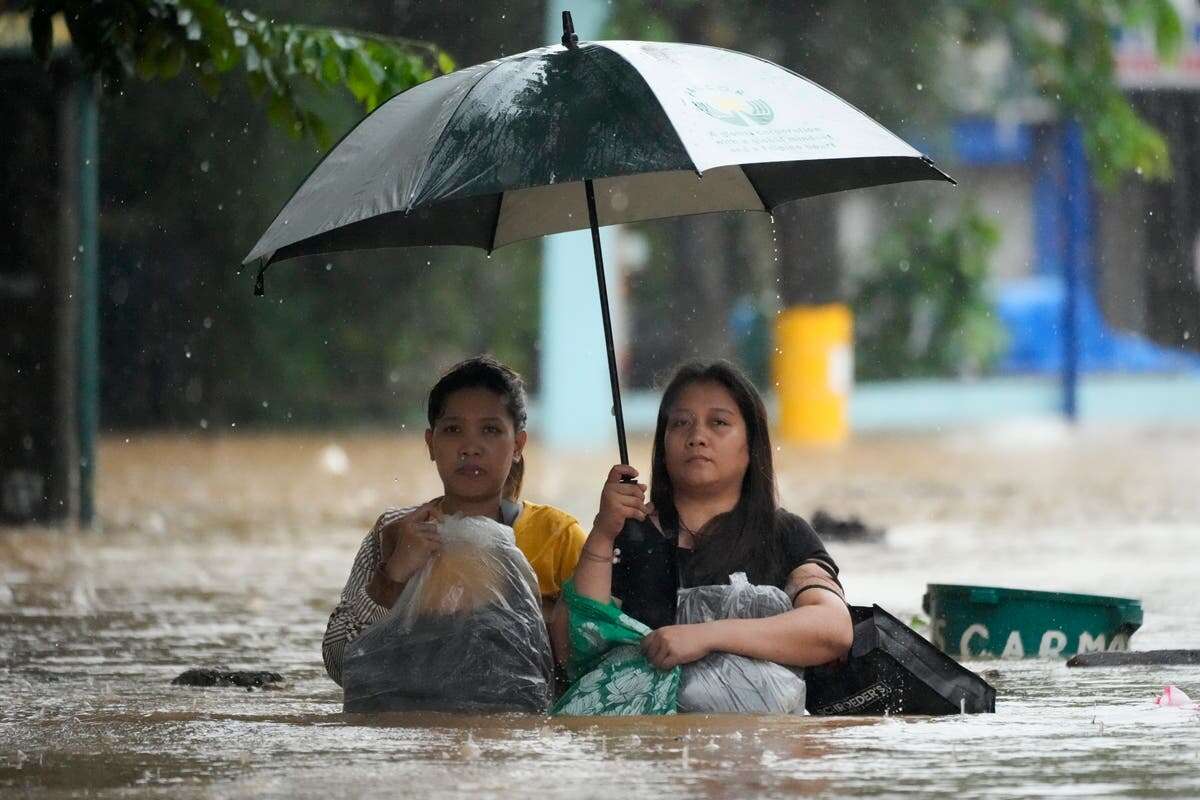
(651, 567)
(801, 545)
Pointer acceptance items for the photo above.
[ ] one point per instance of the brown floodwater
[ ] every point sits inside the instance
(231, 550)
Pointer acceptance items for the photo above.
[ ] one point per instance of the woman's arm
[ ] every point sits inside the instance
(356, 610)
(387, 558)
(618, 502)
(816, 631)
(558, 624)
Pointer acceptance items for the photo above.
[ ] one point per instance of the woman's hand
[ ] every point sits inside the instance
(619, 502)
(409, 542)
(673, 645)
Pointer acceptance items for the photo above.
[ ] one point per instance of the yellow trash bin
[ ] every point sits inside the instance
(814, 373)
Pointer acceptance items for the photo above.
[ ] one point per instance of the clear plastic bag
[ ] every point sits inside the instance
(728, 683)
(466, 634)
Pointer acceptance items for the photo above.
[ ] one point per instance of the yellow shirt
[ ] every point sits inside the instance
(552, 540)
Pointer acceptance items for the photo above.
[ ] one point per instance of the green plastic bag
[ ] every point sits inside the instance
(609, 675)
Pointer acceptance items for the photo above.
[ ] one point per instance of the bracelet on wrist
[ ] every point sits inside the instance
(593, 556)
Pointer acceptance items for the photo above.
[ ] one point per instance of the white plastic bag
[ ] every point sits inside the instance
(728, 683)
(466, 634)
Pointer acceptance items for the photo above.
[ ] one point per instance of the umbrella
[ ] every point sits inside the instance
(582, 135)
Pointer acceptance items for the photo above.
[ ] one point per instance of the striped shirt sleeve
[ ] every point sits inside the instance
(355, 610)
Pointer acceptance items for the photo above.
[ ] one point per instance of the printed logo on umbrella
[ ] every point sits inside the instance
(732, 107)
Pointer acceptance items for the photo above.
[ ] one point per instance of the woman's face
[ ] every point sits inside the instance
(474, 445)
(706, 442)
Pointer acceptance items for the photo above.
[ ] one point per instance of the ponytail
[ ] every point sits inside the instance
(512, 485)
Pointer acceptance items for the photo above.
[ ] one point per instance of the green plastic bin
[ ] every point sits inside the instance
(987, 621)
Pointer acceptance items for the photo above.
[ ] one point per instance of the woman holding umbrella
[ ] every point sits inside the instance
(713, 492)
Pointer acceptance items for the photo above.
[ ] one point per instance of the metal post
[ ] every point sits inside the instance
(88, 394)
(1076, 220)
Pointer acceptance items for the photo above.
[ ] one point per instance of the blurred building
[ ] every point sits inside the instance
(1098, 289)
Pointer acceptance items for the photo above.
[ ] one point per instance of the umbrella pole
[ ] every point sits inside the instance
(618, 414)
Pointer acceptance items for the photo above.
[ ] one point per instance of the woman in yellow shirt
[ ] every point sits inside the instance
(476, 438)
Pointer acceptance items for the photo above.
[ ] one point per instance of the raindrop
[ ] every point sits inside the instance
(204, 424)
(207, 323)
(204, 165)
(265, 404)
(920, 87)
(334, 460)
(329, 267)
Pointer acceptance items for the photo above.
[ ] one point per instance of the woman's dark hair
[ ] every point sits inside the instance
(746, 538)
(485, 372)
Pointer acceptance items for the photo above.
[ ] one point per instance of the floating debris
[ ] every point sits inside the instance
(1135, 658)
(219, 676)
(847, 529)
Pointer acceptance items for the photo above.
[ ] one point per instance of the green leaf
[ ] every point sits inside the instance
(279, 110)
(332, 68)
(171, 60)
(360, 79)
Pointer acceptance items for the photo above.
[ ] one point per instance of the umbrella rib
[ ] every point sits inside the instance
(419, 184)
(496, 222)
(754, 186)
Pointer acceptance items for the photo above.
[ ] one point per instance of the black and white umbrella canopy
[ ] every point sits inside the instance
(497, 153)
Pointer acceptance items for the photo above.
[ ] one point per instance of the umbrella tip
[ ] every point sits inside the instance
(569, 39)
